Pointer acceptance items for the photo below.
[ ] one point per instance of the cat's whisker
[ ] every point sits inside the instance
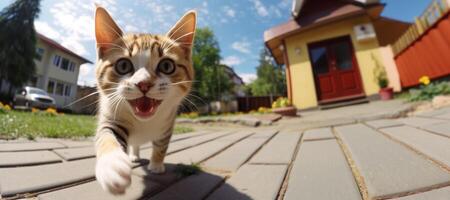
(180, 82)
(118, 35)
(117, 106)
(87, 96)
(196, 108)
(197, 97)
(176, 40)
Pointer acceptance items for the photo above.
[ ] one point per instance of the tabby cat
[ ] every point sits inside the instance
(142, 79)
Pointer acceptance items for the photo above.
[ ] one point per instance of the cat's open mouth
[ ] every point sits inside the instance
(144, 106)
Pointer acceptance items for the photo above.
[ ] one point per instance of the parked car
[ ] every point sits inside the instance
(31, 97)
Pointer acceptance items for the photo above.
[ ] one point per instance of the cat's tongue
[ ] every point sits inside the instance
(144, 106)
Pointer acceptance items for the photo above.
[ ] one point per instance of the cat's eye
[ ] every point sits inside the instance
(124, 66)
(166, 66)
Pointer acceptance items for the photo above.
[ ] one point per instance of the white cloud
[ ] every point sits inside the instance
(242, 46)
(229, 11)
(87, 75)
(247, 77)
(231, 61)
(260, 8)
(44, 28)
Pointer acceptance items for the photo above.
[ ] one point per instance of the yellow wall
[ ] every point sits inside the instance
(303, 87)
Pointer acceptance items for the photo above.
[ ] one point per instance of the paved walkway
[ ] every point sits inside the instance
(403, 159)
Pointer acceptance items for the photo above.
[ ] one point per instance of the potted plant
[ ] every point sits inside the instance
(386, 92)
(284, 107)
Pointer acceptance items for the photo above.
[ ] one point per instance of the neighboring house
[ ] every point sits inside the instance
(239, 90)
(57, 70)
(331, 49)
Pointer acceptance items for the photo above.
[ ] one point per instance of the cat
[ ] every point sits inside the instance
(142, 79)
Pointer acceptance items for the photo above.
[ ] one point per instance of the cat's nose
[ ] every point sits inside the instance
(144, 86)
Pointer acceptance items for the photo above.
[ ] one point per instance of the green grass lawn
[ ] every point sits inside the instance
(14, 124)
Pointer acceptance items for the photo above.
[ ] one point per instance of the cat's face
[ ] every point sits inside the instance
(143, 73)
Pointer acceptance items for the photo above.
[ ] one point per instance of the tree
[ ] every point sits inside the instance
(18, 41)
(270, 79)
(212, 82)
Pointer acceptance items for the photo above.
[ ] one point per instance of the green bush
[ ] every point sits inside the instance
(429, 91)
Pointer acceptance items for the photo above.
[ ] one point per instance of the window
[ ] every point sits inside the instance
(39, 53)
(72, 67)
(50, 87)
(59, 89)
(56, 60)
(65, 64)
(33, 81)
(67, 90)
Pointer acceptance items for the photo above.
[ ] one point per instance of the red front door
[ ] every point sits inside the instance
(335, 70)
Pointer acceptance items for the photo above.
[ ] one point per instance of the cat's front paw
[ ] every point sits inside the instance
(113, 171)
(157, 168)
(134, 158)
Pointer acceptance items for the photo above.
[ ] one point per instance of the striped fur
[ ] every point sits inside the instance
(120, 130)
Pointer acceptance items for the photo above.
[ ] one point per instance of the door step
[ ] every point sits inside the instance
(344, 103)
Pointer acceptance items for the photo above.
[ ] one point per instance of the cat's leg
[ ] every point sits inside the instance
(158, 153)
(133, 153)
(113, 167)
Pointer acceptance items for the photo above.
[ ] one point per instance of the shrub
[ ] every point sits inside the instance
(281, 102)
(429, 90)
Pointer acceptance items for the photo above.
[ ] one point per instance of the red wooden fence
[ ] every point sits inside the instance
(428, 55)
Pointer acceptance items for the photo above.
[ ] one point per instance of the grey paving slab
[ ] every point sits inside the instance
(204, 151)
(14, 159)
(387, 167)
(252, 182)
(30, 146)
(382, 123)
(439, 111)
(33, 178)
(442, 128)
(69, 143)
(279, 150)
(187, 143)
(178, 137)
(139, 187)
(420, 121)
(76, 153)
(437, 194)
(317, 134)
(321, 172)
(443, 116)
(434, 146)
(197, 186)
(232, 158)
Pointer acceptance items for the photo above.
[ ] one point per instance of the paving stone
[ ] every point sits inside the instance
(204, 151)
(30, 146)
(383, 123)
(443, 116)
(420, 121)
(34, 178)
(388, 168)
(187, 143)
(279, 150)
(14, 159)
(252, 182)
(76, 153)
(232, 158)
(321, 172)
(443, 128)
(69, 143)
(432, 145)
(317, 134)
(140, 187)
(178, 137)
(437, 194)
(196, 186)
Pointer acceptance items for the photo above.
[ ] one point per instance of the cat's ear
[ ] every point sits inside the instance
(184, 30)
(106, 30)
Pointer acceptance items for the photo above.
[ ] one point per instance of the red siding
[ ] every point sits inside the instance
(429, 55)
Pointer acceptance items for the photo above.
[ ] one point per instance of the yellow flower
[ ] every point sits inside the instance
(7, 107)
(424, 80)
(1, 105)
(51, 111)
(34, 110)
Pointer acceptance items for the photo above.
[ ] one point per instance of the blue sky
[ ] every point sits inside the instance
(238, 24)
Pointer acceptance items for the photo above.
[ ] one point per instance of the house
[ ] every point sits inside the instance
(239, 84)
(57, 70)
(331, 49)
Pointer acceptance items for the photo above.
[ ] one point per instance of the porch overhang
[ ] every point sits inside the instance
(275, 36)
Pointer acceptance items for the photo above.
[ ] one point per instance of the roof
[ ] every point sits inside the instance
(56, 45)
(233, 73)
(315, 13)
